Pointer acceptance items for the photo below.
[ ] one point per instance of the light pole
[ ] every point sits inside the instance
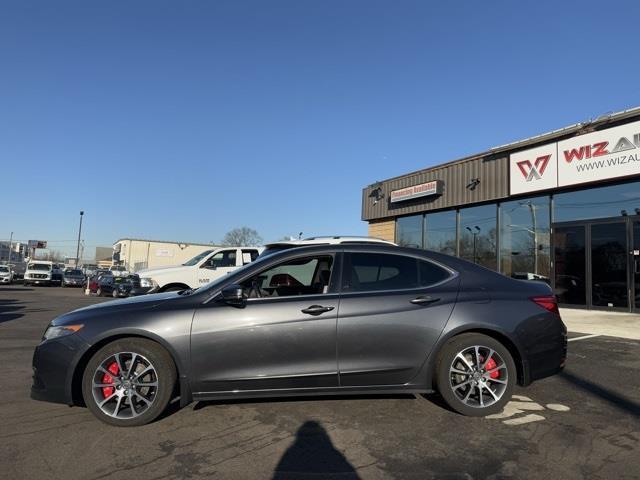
(532, 208)
(79, 233)
(475, 234)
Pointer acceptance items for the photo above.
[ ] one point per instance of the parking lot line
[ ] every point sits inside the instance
(582, 338)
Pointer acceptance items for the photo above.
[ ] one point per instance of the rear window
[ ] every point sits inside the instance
(430, 273)
(367, 272)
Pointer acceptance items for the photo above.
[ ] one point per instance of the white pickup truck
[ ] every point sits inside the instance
(198, 271)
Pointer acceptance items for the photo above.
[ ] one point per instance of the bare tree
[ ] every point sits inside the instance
(242, 237)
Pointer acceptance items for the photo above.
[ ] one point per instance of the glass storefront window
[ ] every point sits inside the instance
(478, 235)
(602, 202)
(440, 232)
(409, 231)
(525, 239)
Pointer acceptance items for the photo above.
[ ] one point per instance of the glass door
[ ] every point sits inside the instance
(635, 264)
(609, 262)
(570, 261)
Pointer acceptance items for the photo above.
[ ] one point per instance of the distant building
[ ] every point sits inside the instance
(137, 254)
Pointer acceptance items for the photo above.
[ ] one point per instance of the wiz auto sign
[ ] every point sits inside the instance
(610, 153)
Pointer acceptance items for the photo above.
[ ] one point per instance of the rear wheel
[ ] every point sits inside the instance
(175, 288)
(129, 382)
(475, 374)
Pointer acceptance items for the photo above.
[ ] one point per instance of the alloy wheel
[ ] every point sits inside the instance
(478, 376)
(125, 385)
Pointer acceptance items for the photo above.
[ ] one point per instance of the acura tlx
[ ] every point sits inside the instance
(348, 318)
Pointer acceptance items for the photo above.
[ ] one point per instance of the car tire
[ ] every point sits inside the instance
(475, 374)
(144, 353)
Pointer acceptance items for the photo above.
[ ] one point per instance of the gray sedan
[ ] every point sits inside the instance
(329, 319)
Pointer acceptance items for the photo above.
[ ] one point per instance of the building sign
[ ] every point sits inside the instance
(37, 244)
(534, 169)
(164, 252)
(417, 191)
(610, 153)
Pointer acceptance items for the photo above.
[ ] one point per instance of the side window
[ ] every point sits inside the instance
(430, 274)
(302, 276)
(249, 255)
(222, 259)
(365, 272)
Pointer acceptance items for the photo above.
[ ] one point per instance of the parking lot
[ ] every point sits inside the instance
(584, 423)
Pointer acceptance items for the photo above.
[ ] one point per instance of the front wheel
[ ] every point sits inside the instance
(475, 374)
(129, 382)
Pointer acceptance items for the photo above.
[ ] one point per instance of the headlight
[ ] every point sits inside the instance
(147, 282)
(56, 332)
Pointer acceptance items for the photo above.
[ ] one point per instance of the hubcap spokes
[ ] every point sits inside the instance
(478, 376)
(125, 385)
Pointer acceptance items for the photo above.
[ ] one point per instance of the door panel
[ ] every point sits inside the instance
(268, 344)
(570, 264)
(609, 262)
(635, 264)
(383, 338)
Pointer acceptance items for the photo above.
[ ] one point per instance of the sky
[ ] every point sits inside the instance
(180, 120)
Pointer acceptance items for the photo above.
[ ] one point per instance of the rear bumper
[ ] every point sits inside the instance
(54, 362)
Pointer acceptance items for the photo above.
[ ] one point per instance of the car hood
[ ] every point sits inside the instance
(129, 304)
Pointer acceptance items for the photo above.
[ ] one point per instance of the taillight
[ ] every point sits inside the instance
(548, 302)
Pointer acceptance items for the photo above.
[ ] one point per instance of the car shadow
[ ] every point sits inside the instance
(14, 289)
(313, 455)
(617, 400)
(10, 310)
(319, 398)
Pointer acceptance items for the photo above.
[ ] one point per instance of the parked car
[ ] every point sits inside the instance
(6, 274)
(92, 282)
(57, 275)
(39, 272)
(330, 319)
(73, 278)
(120, 286)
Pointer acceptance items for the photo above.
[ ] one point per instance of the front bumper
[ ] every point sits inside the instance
(5, 279)
(140, 291)
(54, 362)
(39, 281)
(73, 283)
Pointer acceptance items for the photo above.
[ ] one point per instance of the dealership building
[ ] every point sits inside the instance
(562, 207)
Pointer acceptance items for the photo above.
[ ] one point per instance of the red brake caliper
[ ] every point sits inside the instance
(491, 364)
(106, 378)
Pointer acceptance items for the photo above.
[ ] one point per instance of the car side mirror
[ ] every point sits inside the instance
(234, 295)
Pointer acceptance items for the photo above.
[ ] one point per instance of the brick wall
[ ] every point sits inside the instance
(385, 229)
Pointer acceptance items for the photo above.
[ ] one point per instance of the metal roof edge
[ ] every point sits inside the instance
(548, 136)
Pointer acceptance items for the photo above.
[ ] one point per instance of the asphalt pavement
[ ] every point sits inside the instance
(581, 424)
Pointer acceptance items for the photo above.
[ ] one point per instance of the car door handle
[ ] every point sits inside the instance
(316, 309)
(424, 300)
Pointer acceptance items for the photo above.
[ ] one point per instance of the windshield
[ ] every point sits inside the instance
(197, 258)
(74, 272)
(3, 268)
(39, 266)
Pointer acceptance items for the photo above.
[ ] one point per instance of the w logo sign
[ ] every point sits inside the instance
(535, 171)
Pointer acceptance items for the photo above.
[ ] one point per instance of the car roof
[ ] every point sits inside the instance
(335, 240)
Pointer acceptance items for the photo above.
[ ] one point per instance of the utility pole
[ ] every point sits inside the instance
(79, 233)
(9, 255)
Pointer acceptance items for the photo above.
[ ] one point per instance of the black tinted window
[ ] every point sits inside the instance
(375, 271)
(431, 274)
